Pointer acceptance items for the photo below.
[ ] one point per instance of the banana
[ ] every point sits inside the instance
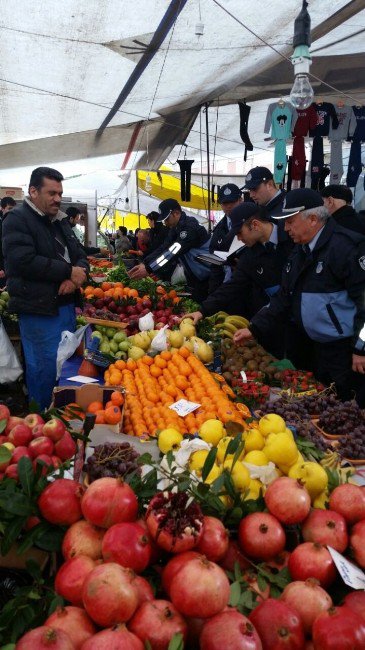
(237, 321)
(330, 460)
(229, 327)
(225, 334)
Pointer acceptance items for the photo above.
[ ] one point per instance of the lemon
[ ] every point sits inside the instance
(313, 475)
(290, 433)
(221, 448)
(321, 501)
(256, 458)
(240, 477)
(169, 439)
(271, 423)
(212, 431)
(213, 474)
(254, 488)
(197, 459)
(254, 440)
(282, 450)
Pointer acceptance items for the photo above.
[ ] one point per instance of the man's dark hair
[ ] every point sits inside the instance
(261, 215)
(123, 230)
(72, 212)
(7, 200)
(153, 216)
(38, 174)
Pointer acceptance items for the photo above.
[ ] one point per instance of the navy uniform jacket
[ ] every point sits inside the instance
(221, 240)
(324, 292)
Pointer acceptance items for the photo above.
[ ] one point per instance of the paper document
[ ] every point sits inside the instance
(235, 246)
(83, 380)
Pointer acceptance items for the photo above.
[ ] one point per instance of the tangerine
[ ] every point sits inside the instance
(112, 415)
(94, 407)
(117, 398)
(100, 419)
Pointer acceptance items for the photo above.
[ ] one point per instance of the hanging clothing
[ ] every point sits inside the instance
(281, 120)
(326, 115)
(359, 133)
(306, 121)
(244, 115)
(355, 164)
(298, 158)
(336, 162)
(316, 162)
(279, 161)
(346, 123)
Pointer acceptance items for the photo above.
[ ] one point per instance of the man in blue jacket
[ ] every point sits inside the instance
(322, 291)
(45, 267)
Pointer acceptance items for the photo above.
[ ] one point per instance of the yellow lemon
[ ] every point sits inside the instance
(197, 459)
(213, 474)
(289, 433)
(271, 423)
(321, 501)
(254, 440)
(254, 487)
(282, 450)
(240, 477)
(313, 475)
(212, 431)
(222, 447)
(169, 439)
(256, 458)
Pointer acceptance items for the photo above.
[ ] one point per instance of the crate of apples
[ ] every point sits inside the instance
(47, 442)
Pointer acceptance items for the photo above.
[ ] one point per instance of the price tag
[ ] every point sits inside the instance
(183, 407)
(350, 574)
(244, 376)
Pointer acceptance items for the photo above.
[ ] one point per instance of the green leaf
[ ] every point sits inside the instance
(3, 424)
(56, 602)
(26, 475)
(177, 642)
(50, 539)
(5, 454)
(12, 531)
(233, 445)
(147, 645)
(34, 569)
(209, 462)
(235, 594)
(8, 646)
(17, 504)
(237, 571)
(262, 584)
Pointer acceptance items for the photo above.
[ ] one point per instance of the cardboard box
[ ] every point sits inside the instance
(84, 395)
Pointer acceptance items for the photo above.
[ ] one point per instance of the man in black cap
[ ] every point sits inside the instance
(338, 199)
(322, 291)
(262, 188)
(229, 197)
(258, 273)
(185, 234)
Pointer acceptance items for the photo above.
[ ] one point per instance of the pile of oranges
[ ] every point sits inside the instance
(111, 413)
(118, 291)
(153, 384)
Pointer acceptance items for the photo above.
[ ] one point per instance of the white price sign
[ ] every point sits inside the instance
(350, 574)
(243, 375)
(183, 407)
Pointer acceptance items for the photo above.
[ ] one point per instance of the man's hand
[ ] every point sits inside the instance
(78, 276)
(358, 364)
(66, 287)
(138, 272)
(2, 273)
(241, 336)
(195, 316)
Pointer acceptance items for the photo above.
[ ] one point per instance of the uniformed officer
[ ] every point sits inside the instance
(185, 234)
(262, 188)
(257, 276)
(322, 290)
(229, 196)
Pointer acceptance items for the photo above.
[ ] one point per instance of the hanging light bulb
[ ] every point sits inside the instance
(148, 183)
(302, 94)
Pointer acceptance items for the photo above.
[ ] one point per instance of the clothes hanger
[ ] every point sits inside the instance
(340, 103)
(281, 102)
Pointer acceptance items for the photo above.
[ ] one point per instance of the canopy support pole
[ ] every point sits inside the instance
(208, 166)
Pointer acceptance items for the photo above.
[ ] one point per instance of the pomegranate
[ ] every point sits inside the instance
(229, 629)
(117, 638)
(41, 445)
(155, 550)
(308, 599)
(357, 542)
(214, 540)
(310, 560)
(144, 589)
(109, 595)
(339, 629)
(278, 625)
(200, 589)
(174, 565)
(288, 500)
(172, 523)
(45, 637)
(109, 501)
(234, 555)
(70, 578)
(157, 621)
(279, 562)
(349, 501)
(128, 545)
(261, 536)
(326, 527)
(356, 602)
(82, 538)
(59, 503)
(31, 522)
(75, 622)
(65, 448)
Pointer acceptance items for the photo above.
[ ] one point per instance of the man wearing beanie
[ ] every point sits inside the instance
(338, 199)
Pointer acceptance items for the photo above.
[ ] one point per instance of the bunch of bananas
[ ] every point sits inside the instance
(332, 461)
(226, 325)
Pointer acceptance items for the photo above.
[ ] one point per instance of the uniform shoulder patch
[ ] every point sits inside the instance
(183, 234)
(362, 262)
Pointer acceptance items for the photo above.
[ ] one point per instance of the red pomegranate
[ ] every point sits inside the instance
(75, 622)
(278, 625)
(349, 501)
(308, 599)
(214, 540)
(326, 527)
(59, 503)
(157, 621)
(261, 536)
(229, 629)
(200, 589)
(45, 637)
(339, 629)
(357, 543)
(173, 524)
(279, 562)
(82, 538)
(144, 589)
(355, 600)
(310, 560)
(70, 578)
(128, 545)
(233, 555)
(65, 448)
(288, 500)
(109, 595)
(117, 638)
(109, 501)
(173, 566)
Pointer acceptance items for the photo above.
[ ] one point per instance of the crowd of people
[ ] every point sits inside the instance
(298, 275)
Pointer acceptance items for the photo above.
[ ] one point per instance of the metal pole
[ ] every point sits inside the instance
(208, 166)
(139, 214)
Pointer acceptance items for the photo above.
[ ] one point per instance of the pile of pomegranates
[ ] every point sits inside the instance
(199, 566)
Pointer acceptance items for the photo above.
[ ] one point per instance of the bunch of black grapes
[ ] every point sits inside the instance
(112, 460)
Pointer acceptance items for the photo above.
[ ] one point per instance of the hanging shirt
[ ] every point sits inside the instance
(359, 133)
(346, 123)
(281, 119)
(307, 120)
(325, 113)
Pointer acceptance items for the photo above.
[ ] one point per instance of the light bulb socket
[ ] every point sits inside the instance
(199, 29)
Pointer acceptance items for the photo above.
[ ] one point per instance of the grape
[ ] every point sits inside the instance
(112, 460)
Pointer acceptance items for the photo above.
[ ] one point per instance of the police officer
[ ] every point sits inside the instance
(229, 196)
(258, 273)
(322, 290)
(262, 188)
(338, 200)
(185, 234)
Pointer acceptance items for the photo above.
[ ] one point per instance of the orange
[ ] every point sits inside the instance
(120, 364)
(131, 365)
(155, 371)
(148, 361)
(112, 415)
(181, 382)
(105, 286)
(184, 352)
(160, 362)
(166, 355)
(108, 404)
(117, 398)
(99, 293)
(94, 407)
(100, 417)
(133, 293)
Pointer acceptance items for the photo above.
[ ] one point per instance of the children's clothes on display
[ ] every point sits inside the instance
(244, 115)
(306, 120)
(298, 158)
(279, 161)
(359, 132)
(355, 164)
(326, 114)
(281, 118)
(316, 162)
(346, 123)
(336, 162)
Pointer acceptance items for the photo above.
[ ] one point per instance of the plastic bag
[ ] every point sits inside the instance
(146, 323)
(159, 343)
(10, 367)
(178, 276)
(68, 344)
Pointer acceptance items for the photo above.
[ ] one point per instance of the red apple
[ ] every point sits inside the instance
(12, 422)
(3, 439)
(4, 412)
(33, 419)
(20, 435)
(37, 431)
(43, 458)
(12, 472)
(40, 446)
(54, 429)
(57, 462)
(19, 452)
(32, 521)
(66, 447)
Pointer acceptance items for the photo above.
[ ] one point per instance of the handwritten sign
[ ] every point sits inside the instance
(350, 574)
(243, 375)
(183, 407)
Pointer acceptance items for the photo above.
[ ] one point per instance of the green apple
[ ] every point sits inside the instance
(110, 331)
(105, 347)
(119, 337)
(97, 335)
(113, 346)
(120, 355)
(124, 346)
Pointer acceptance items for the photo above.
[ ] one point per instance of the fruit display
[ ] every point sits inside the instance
(112, 341)
(112, 460)
(226, 325)
(252, 389)
(341, 418)
(352, 445)
(109, 413)
(249, 357)
(298, 381)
